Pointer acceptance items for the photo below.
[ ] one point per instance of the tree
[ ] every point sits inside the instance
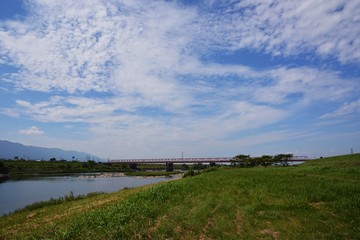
(240, 160)
(184, 167)
(198, 166)
(283, 159)
(253, 162)
(89, 164)
(52, 159)
(266, 160)
(3, 169)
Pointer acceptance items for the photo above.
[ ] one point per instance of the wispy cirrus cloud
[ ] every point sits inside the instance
(130, 49)
(346, 109)
(276, 87)
(304, 85)
(105, 47)
(287, 28)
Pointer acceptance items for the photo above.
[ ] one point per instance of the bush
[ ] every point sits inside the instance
(3, 168)
(189, 173)
(54, 201)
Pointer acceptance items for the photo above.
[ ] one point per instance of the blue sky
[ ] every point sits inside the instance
(130, 79)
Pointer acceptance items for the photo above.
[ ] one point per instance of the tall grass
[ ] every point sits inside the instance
(150, 174)
(55, 201)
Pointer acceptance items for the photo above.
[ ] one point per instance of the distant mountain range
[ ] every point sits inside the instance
(10, 150)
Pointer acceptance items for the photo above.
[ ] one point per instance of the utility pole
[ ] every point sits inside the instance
(352, 151)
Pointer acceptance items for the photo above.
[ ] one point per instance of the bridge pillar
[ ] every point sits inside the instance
(169, 166)
(133, 166)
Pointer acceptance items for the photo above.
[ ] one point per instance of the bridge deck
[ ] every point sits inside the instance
(190, 160)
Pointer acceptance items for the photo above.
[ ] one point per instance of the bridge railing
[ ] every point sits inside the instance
(173, 160)
(190, 160)
(300, 158)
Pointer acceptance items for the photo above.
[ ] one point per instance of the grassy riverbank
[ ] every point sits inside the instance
(316, 200)
(150, 174)
(21, 168)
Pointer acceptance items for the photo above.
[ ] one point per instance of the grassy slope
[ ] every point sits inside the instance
(317, 200)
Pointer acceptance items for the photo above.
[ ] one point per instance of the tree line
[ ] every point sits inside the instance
(3, 169)
(265, 160)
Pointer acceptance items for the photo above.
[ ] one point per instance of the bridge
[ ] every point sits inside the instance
(170, 161)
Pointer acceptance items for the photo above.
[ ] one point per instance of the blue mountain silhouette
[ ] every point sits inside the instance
(11, 150)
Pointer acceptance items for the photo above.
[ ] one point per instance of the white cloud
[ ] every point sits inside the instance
(345, 109)
(64, 54)
(140, 136)
(305, 84)
(326, 27)
(32, 131)
(61, 109)
(125, 49)
(132, 71)
(128, 48)
(229, 108)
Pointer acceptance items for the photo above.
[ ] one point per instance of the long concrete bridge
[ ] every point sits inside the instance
(170, 161)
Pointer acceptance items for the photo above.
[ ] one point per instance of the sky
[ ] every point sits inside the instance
(152, 79)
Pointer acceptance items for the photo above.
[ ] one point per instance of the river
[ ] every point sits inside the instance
(15, 194)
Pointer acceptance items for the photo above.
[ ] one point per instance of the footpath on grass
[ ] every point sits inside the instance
(315, 200)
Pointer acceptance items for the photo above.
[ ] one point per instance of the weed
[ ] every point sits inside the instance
(55, 201)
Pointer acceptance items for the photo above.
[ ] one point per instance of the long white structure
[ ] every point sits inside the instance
(172, 160)
(190, 160)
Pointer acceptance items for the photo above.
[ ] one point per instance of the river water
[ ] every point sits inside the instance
(15, 194)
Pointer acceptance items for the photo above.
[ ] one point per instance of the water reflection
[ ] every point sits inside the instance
(3, 179)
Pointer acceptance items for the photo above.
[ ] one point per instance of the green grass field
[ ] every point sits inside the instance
(316, 200)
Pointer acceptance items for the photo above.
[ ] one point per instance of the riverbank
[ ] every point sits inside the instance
(315, 200)
(20, 168)
(154, 174)
(102, 175)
